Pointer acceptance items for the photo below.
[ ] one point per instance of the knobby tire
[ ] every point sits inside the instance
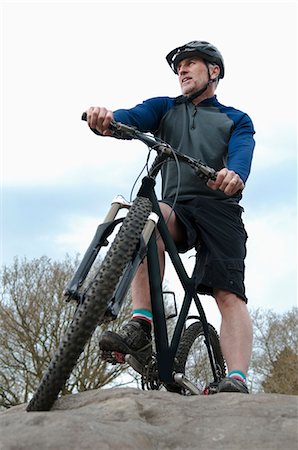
(191, 334)
(92, 310)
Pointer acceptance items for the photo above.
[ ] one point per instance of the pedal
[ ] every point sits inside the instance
(113, 357)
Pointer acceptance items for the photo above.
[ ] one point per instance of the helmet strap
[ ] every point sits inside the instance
(197, 93)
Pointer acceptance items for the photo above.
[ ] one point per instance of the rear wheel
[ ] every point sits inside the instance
(92, 310)
(192, 357)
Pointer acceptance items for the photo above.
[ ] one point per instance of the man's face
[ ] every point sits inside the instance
(193, 75)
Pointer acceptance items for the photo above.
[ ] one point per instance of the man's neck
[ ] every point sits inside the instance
(207, 94)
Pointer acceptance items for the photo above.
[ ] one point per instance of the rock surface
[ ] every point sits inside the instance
(128, 418)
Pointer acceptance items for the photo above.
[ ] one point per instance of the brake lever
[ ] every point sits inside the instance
(119, 130)
(206, 173)
(122, 131)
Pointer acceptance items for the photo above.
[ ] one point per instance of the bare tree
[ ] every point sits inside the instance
(33, 318)
(283, 378)
(275, 340)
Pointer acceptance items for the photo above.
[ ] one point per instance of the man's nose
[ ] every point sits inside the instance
(182, 69)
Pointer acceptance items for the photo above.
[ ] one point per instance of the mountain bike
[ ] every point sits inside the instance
(173, 362)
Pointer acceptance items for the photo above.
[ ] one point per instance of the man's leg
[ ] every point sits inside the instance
(236, 331)
(140, 285)
(135, 336)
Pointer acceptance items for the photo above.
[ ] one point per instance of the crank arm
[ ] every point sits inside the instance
(181, 379)
(134, 363)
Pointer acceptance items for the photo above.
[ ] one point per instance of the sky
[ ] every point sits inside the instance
(58, 178)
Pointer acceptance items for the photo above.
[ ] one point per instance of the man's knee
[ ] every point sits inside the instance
(228, 300)
(166, 211)
(171, 220)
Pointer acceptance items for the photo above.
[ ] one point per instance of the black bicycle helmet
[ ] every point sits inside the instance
(203, 49)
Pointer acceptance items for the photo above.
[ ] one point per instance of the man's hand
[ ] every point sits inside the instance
(227, 181)
(99, 119)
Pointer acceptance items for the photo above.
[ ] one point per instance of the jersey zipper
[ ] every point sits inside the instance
(193, 126)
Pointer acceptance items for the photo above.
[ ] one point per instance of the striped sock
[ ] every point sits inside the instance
(238, 375)
(143, 314)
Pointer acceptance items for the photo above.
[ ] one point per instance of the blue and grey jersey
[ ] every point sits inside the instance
(218, 135)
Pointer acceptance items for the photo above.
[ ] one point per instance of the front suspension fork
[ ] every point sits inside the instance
(99, 240)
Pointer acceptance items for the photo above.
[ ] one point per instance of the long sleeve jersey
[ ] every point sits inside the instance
(218, 135)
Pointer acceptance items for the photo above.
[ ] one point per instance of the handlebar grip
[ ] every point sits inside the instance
(84, 117)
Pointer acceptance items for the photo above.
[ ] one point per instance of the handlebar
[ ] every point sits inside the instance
(122, 131)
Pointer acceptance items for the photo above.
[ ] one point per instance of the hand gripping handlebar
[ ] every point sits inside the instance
(122, 131)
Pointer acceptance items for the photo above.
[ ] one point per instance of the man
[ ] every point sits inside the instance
(222, 137)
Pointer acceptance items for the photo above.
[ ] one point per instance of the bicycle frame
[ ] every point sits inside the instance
(165, 350)
(101, 298)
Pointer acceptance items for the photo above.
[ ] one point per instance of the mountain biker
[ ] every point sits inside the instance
(222, 137)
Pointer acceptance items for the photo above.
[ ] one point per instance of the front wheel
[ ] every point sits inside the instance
(192, 357)
(92, 310)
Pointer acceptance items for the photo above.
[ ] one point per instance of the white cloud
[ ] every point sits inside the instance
(273, 155)
(271, 274)
(79, 232)
(77, 236)
(64, 63)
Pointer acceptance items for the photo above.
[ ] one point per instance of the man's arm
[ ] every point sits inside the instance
(241, 147)
(145, 116)
(232, 179)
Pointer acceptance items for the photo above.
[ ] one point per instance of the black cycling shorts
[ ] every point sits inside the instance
(214, 227)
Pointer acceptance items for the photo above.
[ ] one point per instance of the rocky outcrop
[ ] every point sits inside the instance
(128, 418)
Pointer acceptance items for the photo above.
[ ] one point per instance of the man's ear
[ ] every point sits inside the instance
(215, 71)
